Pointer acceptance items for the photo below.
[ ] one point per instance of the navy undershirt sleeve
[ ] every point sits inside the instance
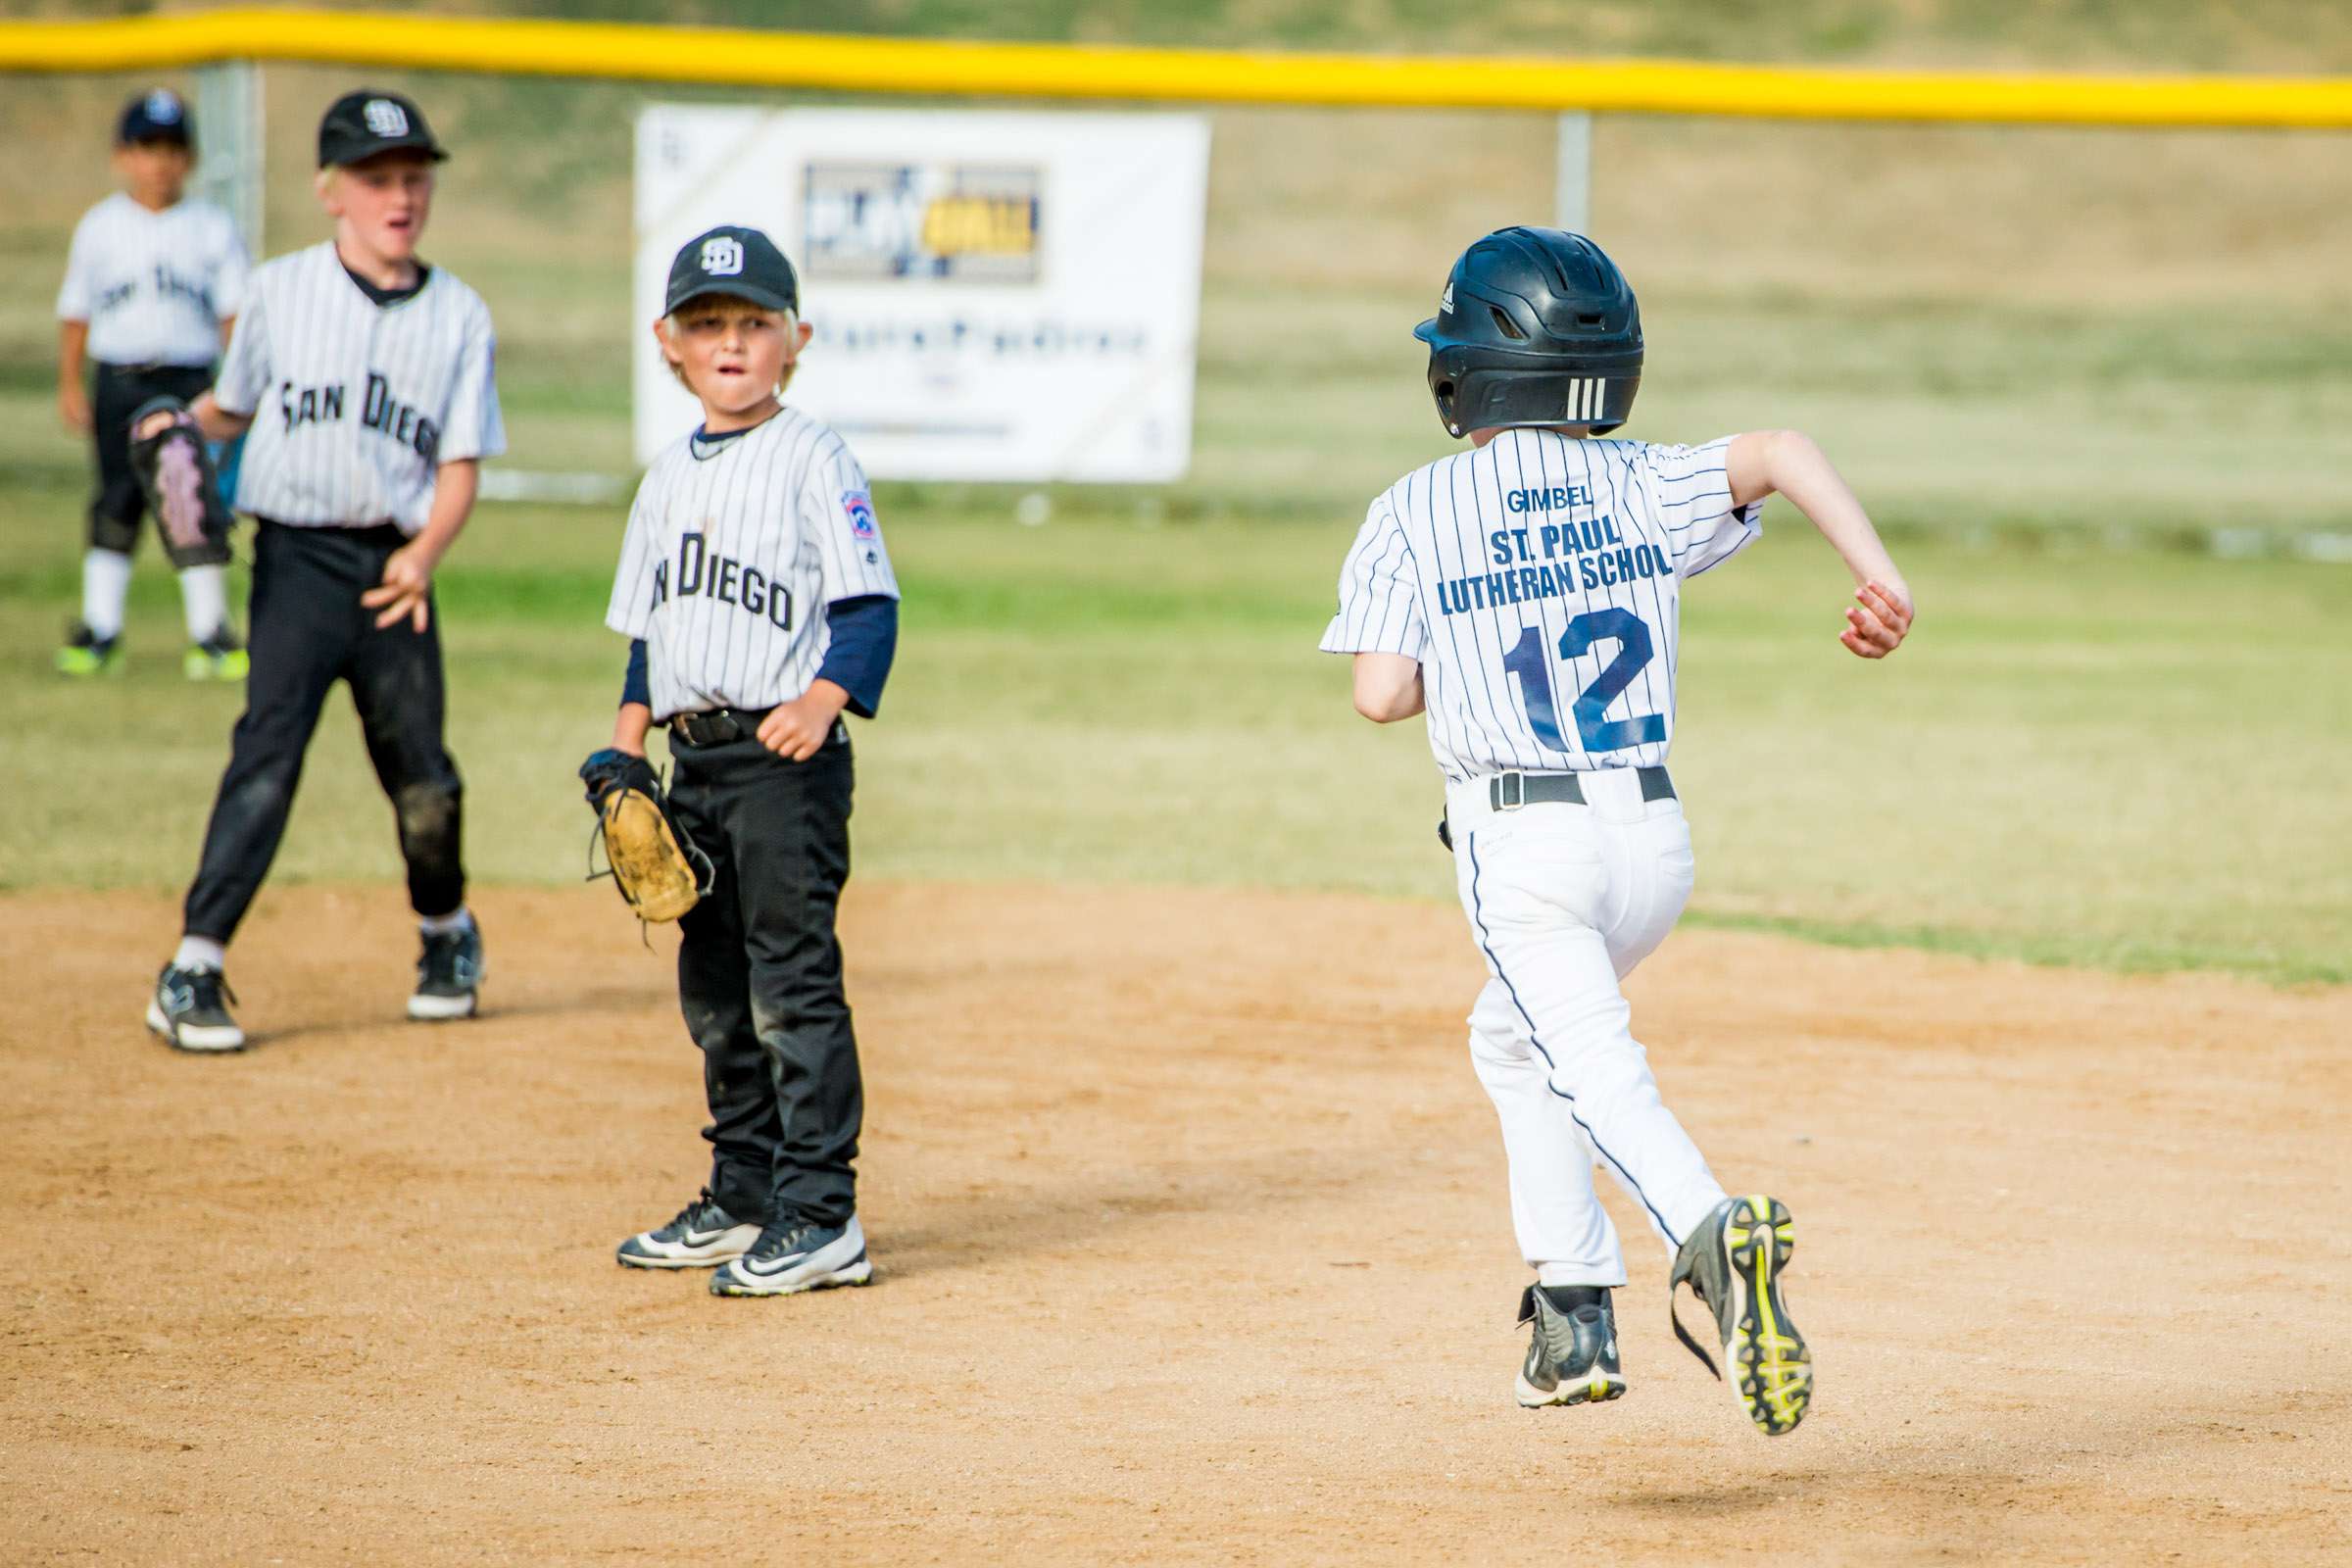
(865, 637)
(633, 686)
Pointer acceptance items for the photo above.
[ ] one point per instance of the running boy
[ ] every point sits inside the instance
(760, 605)
(153, 284)
(1525, 593)
(366, 378)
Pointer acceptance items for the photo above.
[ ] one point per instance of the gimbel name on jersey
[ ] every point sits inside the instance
(1538, 582)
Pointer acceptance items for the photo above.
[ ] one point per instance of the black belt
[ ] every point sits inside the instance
(1508, 791)
(719, 726)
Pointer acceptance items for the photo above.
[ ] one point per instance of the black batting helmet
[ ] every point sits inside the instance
(1536, 326)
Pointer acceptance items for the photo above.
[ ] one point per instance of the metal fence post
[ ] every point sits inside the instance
(229, 143)
(1572, 194)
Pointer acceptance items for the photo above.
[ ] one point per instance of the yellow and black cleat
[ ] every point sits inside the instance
(1572, 1355)
(1733, 1263)
(85, 654)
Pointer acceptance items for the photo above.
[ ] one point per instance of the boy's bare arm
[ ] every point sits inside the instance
(629, 727)
(1388, 687)
(1788, 461)
(73, 402)
(409, 570)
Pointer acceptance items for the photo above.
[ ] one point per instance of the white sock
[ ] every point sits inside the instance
(105, 585)
(199, 953)
(441, 925)
(1572, 1274)
(204, 598)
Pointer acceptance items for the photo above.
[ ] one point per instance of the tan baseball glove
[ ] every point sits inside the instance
(652, 860)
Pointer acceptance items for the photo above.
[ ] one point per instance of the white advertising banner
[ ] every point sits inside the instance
(995, 296)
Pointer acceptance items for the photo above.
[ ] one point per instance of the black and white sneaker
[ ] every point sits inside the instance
(449, 976)
(1572, 1358)
(794, 1255)
(703, 1235)
(186, 1010)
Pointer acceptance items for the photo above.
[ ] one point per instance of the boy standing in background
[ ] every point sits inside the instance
(152, 285)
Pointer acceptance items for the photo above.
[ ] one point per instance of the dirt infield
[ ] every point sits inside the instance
(1191, 1245)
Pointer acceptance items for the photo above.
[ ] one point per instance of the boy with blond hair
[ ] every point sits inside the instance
(364, 380)
(761, 605)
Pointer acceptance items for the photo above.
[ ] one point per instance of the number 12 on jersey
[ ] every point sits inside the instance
(1634, 650)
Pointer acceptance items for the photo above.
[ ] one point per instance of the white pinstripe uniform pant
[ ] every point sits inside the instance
(1564, 901)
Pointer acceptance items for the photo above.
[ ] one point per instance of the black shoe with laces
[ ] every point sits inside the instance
(187, 1009)
(703, 1235)
(449, 976)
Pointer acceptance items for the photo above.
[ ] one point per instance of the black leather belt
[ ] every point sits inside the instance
(1508, 791)
(719, 726)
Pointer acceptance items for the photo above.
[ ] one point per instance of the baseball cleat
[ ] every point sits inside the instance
(1733, 1263)
(794, 1255)
(703, 1235)
(449, 976)
(186, 1010)
(87, 654)
(219, 657)
(1572, 1358)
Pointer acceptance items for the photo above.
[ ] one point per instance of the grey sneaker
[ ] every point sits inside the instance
(188, 1011)
(1733, 1263)
(449, 976)
(1572, 1358)
(794, 1255)
(703, 1235)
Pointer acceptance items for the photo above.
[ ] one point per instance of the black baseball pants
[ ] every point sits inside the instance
(115, 393)
(309, 631)
(759, 977)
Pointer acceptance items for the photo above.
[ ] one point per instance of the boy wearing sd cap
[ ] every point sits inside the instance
(760, 605)
(365, 377)
(152, 285)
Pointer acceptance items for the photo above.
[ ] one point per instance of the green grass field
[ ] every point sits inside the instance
(2123, 761)
(2057, 364)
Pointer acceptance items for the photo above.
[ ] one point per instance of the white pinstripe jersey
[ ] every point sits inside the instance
(154, 287)
(356, 405)
(735, 547)
(1538, 580)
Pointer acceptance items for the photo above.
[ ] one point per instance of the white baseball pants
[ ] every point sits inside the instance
(1564, 900)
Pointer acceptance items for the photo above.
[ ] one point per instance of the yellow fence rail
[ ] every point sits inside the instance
(753, 59)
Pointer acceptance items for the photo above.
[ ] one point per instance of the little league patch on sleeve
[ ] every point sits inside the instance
(859, 504)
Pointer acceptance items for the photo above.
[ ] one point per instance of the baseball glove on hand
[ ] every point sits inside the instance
(649, 858)
(175, 471)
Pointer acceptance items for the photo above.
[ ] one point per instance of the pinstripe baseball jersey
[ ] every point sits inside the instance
(356, 402)
(1538, 581)
(154, 287)
(735, 547)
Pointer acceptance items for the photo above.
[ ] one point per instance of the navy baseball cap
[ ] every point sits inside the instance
(361, 124)
(728, 260)
(157, 116)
